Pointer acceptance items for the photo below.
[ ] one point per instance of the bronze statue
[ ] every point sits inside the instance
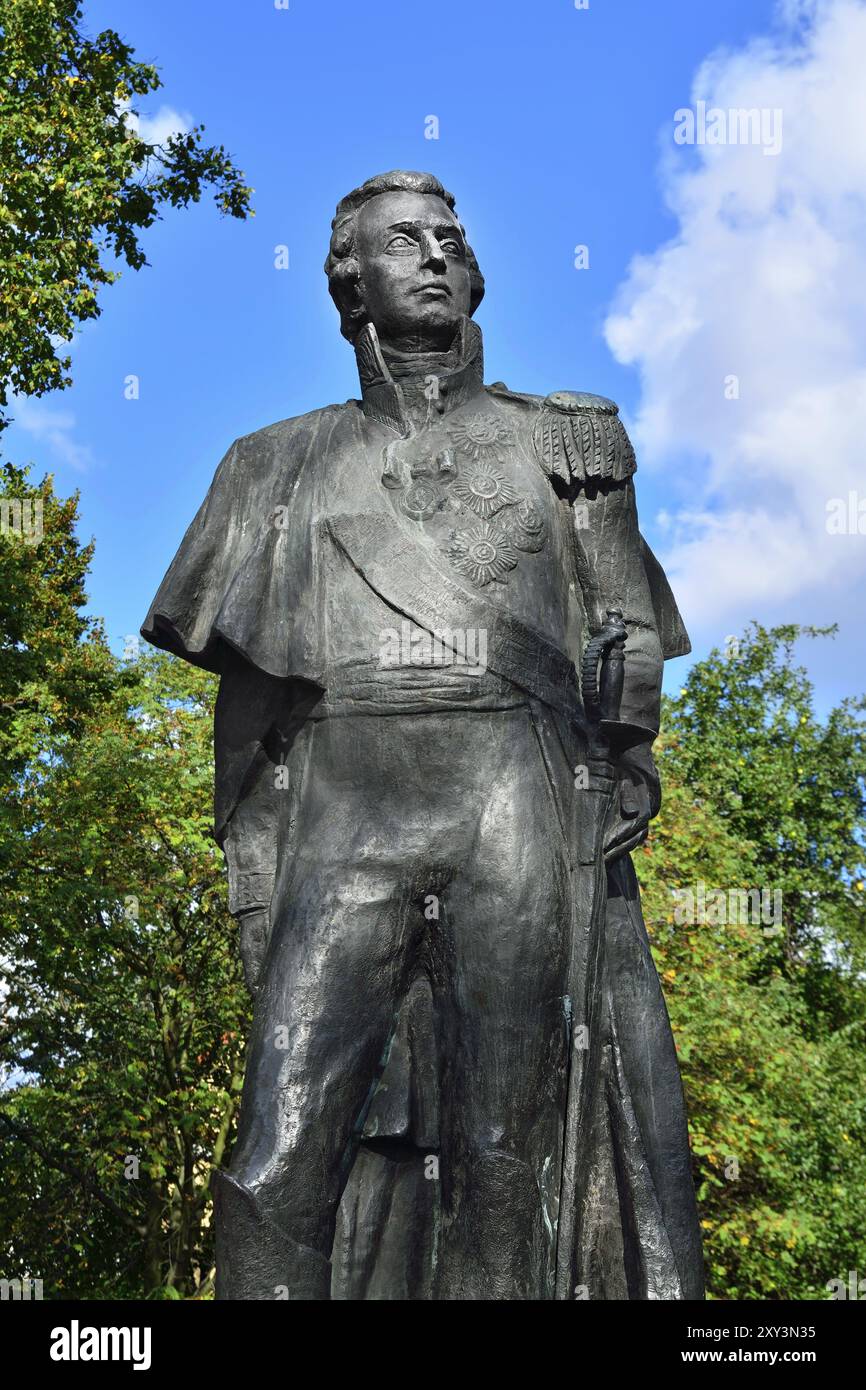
(461, 1080)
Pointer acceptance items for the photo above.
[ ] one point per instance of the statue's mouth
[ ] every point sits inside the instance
(440, 291)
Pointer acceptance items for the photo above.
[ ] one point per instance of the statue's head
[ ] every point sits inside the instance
(399, 259)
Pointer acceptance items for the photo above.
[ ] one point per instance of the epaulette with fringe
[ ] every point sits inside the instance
(580, 438)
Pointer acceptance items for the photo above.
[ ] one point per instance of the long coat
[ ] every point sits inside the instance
(245, 597)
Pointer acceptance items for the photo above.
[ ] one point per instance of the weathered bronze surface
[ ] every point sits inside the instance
(461, 1080)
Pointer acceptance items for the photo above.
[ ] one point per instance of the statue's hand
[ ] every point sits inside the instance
(253, 943)
(637, 801)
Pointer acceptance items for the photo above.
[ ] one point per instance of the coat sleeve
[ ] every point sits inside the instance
(672, 630)
(582, 445)
(247, 792)
(613, 574)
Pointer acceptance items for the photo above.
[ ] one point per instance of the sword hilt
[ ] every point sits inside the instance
(603, 670)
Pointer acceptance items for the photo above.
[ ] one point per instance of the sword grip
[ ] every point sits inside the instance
(602, 690)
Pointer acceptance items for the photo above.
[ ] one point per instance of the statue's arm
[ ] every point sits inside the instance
(610, 562)
(582, 445)
(612, 573)
(247, 799)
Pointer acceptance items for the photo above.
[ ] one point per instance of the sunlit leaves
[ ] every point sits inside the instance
(770, 1027)
(78, 183)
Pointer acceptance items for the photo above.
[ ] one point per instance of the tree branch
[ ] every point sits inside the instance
(62, 1166)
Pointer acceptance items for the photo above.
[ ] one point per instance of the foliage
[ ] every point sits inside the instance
(121, 1007)
(79, 183)
(53, 660)
(122, 1011)
(125, 1010)
(770, 1024)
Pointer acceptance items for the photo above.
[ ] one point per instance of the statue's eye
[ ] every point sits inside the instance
(401, 243)
(452, 246)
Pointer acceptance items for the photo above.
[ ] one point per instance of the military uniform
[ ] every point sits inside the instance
(408, 820)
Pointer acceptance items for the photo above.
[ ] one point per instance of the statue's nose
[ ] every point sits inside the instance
(431, 251)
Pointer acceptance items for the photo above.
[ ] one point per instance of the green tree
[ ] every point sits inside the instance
(78, 182)
(122, 1010)
(769, 1017)
(55, 666)
(124, 1005)
(121, 1007)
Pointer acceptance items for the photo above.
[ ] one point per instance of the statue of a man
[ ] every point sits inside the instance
(461, 1081)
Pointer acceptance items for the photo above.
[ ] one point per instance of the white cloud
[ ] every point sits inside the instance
(156, 129)
(765, 280)
(51, 427)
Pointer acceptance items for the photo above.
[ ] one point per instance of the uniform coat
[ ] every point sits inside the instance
(413, 829)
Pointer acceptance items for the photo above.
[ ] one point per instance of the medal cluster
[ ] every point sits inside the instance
(493, 522)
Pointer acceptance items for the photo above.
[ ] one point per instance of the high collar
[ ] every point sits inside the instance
(441, 383)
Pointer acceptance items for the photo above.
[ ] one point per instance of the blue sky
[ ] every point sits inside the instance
(555, 129)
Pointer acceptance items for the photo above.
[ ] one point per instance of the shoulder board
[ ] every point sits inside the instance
(578, 402)
(498, 388)
(580, 438)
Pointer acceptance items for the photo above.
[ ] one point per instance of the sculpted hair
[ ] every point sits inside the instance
(342, 267)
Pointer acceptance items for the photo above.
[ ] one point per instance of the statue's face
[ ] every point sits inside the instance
(414, 279)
